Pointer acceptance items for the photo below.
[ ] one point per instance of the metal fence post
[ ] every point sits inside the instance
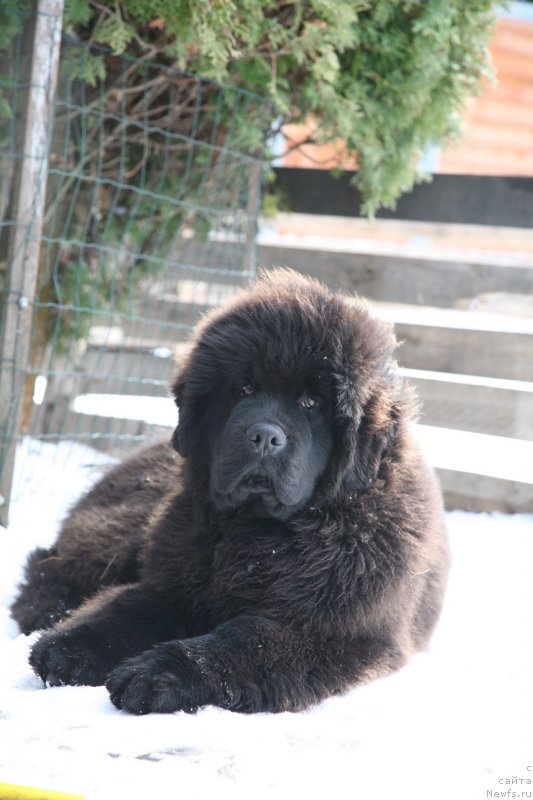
(44, 39)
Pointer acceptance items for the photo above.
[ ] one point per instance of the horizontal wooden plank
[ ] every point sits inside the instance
(454, 319)
(478, 454)
(479, 472)
(127, 372)
(414, 280)
(464, 342)
(171, 321)
(154, 410)
(492, 354)
(469, 492)
(396, 236)
(112, 435)
(481, 405)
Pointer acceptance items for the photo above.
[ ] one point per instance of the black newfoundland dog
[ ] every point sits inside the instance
(296, 547)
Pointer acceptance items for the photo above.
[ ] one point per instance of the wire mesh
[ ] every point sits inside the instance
(150, 216)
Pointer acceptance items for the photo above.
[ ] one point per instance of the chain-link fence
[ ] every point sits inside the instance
(149, 218)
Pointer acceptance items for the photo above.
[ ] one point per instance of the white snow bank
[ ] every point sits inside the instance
(455, 723)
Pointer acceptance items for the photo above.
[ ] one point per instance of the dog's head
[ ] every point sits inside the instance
(289, 396)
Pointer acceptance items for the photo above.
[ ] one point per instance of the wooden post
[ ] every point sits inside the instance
(252, 208)
(43, 38)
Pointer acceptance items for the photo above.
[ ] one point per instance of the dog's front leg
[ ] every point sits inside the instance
(114, 625)
(247, 664)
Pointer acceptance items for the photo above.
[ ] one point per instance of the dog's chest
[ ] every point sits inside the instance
(279, 575)
(249, 573)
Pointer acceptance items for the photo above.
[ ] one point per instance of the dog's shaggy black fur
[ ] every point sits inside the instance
(295, 549)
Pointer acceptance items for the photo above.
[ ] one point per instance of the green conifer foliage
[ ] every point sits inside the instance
(390, 77)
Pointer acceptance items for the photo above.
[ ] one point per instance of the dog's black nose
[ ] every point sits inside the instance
(266, 439)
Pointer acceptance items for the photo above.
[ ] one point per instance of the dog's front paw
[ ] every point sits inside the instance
(163, 679)
(76, 657)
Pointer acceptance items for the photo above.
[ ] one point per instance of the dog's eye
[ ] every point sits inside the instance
(247, 390)
(308, 402)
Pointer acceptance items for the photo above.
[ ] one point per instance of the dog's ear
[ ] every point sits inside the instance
(194, 384)
(365, 430)
(180, 435)
(375, 434)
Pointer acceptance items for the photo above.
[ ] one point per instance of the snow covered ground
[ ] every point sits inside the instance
(455, 723)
